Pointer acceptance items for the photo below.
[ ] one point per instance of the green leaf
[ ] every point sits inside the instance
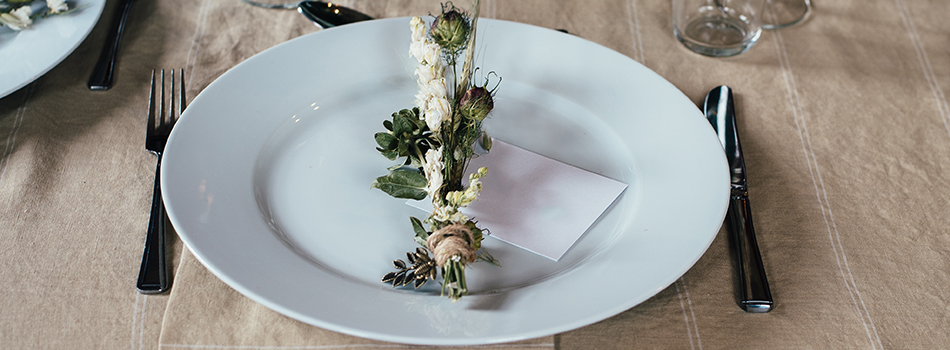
(386, 140)
(485, 142)
(414, 162)
(417, 227)
(476, 234)
(409, 137)
(401, 124)
(413, 116)
(403, 149)
(420, 241)
(409, 114)
(416, 116)
(403, 183)
(391, 155)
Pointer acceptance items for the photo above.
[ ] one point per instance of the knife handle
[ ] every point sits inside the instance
(754, 286)
(104, 70)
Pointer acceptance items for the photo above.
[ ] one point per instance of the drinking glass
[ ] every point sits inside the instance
(718, 28)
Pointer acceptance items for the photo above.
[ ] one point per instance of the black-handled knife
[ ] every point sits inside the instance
(755, 295)
(104, 71)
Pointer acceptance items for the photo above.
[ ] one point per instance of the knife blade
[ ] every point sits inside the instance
(755, 295)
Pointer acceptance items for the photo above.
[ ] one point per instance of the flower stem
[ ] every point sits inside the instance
(453, 275)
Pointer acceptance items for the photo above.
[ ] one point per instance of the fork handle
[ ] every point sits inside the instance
(153, 276)
(104, 70)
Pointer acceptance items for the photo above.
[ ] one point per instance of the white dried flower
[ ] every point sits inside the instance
(432, 97)
(431, 83)
(418, 29)
(437, 110)
(454, 198)
(449, 214)
(465, 198)
(432, 53)
(422, 101)
(417, 50)
(56, 6)
(17, 19)
(433, 170)
(426, 52)
(435, 88)
(427, 73)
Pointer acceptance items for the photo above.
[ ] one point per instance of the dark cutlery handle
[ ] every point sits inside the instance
(329, 15)
(104, 71)
(153, 276)
(754, 286)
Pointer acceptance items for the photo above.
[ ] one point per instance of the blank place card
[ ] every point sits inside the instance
(535, 202)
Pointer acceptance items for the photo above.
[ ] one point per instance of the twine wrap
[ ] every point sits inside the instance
(452, 240)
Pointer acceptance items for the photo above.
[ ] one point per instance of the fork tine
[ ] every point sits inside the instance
(161, 105)
(151, 108)
(171, 100)
(181, 90)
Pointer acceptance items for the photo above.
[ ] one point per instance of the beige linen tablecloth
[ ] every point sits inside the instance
(844, 121)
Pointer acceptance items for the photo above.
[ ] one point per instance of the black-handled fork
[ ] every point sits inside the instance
(153, 275)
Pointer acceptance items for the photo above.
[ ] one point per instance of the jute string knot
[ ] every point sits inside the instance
(449, 241)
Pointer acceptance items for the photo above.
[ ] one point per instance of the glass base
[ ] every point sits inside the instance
(717, 37)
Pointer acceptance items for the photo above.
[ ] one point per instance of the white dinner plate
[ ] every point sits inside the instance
(28, 54)
(267, 180)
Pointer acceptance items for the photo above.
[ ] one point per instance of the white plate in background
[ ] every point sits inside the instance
(28, 54)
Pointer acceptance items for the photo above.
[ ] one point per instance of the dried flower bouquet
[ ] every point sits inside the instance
(437, 139)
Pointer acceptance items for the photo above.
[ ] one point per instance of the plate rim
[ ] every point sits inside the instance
(63, 48)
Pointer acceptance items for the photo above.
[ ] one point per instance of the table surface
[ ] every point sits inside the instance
(844, 121)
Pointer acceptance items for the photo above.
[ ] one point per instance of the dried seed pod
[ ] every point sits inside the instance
(450, 30)
(476, 103)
